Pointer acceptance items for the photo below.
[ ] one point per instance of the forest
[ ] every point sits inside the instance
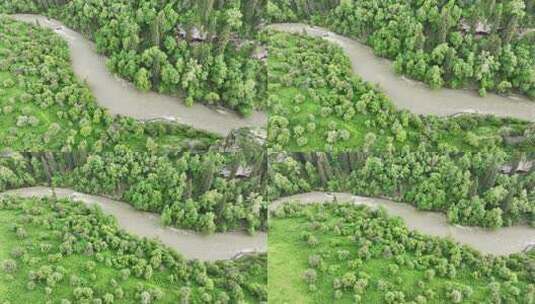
(343, 253)
(203, 50)
(316, 103)
(45, 107)
(472, 188)
(60, 251)
(487, 45)
(205, 192)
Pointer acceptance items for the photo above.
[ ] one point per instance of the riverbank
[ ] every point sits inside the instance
(410, 94)
(502, 241)
(191, 244)
(120, 97)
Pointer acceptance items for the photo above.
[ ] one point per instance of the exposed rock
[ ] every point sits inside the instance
(243, 253)
(524, 166)
(529, 247)
(162, 119)
(7, 154)
(514, 140)
(196, 34)
(193, 145)
(252, 138)
(260, 53)
(481, 28)
(241, 172)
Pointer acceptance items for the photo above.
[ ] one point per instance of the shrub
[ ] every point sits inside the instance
(314, 261)
(30, 285)
(9, 266)
(456, 296)
(429, 274)
(310, 275)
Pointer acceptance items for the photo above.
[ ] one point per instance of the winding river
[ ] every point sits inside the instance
(413, 95)
(122, 98)
(228, 245)
(501, 241)
(192, 245)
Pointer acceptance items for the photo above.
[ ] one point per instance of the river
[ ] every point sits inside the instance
(122, 98)
(193, 245)
(413, 95)
(502, 241)
(227, 245)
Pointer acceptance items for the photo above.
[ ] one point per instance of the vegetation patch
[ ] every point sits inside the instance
(60, 251)
(43, 106)
(203, 50)
(342, 253)
(455, 43)
(476, 189)
(205, 192)
(316, 103)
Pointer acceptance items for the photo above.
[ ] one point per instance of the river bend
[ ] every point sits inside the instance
(502, 241)
(193, 245)
(413, 95)
(227, 245)
(122, 98)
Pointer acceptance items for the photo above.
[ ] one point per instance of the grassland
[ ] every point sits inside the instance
(64, 252)
(43, 106)
(348, 254)
(316, 103)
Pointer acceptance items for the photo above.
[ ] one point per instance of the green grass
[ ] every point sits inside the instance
(328, 60)
(289, 254)
(286, 262)
(75, 264)
(66, 101)
(32, 214)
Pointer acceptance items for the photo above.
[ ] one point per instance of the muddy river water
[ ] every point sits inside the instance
(122, 98)
(228, 245)
(501, 241)
(414, 95)
(193, 245)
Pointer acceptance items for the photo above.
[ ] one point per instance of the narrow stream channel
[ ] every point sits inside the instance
(502, 241)
(413, 95)
(122, 98)
(192, 245)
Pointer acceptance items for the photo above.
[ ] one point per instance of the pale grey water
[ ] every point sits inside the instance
(413, 95)
(121, 97)
(502, 241)
(192, 245)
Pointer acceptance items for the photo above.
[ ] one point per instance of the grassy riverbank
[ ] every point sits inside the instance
(43, 106)
(59, 250)
(318, 104)
(351, 254)
(205, 51)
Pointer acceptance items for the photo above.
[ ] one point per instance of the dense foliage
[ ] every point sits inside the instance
(342, 253)
(316, 103)
(43, 106)
(443, 43)
(60, 251)
(15, 173)
(483, 189)
(204, 50)
(206, 192)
